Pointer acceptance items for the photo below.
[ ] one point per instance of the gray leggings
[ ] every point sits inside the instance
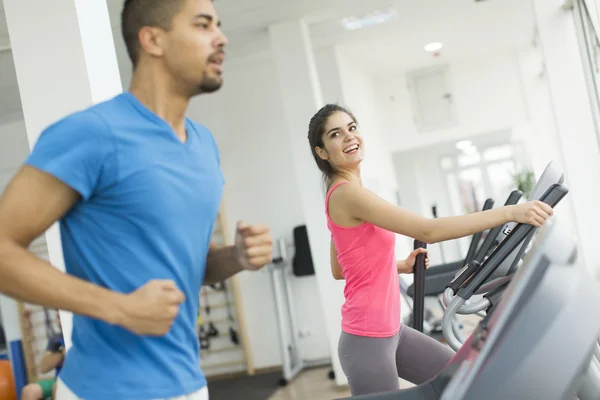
(374, 364)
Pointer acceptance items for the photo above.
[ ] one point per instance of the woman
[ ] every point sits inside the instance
(374, 348)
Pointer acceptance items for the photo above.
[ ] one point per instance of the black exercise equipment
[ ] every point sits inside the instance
(419, 284)
(302, 263)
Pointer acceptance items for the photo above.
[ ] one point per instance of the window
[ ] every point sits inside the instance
(591, 49)
(498, 152)
(478, 175)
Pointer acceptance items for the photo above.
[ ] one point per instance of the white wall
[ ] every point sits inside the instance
(486, 92)
(246, 118)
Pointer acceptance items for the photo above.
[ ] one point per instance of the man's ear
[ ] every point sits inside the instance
(151, 41)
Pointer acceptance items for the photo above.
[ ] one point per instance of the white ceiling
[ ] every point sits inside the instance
(467, 28)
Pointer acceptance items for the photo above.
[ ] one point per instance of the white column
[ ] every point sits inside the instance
(301, 97)
(577, 136)
(65, 61)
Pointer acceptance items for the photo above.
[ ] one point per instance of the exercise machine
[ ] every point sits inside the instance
(589, 388)
(508, 357)
(446, 285)
(490, 289)
(437, 277)
(292, 361)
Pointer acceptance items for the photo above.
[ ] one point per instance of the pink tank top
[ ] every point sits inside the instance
(366, 254)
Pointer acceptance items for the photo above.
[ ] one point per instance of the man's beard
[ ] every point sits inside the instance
(210, 85)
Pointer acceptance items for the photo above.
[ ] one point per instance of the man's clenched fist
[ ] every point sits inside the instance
(253, 245)
(151, 309)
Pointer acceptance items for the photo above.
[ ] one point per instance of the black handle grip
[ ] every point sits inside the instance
(419, 285)
(485, 248)
(463, 277)
(513, 197)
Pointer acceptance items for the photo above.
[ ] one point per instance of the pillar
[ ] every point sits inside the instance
(574, 120)
(65, 61)
(301, 98)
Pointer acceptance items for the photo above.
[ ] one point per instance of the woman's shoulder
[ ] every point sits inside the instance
(343, 185)
(342, 190)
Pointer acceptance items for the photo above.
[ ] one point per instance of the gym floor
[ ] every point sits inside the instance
(313, 384)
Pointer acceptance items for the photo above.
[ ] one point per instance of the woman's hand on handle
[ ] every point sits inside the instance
(532, 213)
(407, 266)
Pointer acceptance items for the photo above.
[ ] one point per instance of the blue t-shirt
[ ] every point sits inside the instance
(149, 202)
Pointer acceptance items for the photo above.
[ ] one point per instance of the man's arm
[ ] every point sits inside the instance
(221, 264)
(252, 251)
(50, 360)
(31, 203)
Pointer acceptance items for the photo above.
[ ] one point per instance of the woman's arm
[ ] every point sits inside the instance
(365, 205)
(336, 268)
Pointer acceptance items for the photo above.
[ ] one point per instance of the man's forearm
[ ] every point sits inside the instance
(27, 278)
(221, 264)
(50, 361)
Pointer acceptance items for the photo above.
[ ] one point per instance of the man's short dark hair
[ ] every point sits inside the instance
(137, 14)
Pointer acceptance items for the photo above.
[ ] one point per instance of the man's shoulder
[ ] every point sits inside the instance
(90, 121)
(97, 113)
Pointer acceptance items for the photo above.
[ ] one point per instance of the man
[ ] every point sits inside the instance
(52, 359)
(136, 187)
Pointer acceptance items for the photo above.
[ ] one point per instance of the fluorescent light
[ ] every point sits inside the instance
(372, 18)
(470, 150)
(434, 46)
(464, 144)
